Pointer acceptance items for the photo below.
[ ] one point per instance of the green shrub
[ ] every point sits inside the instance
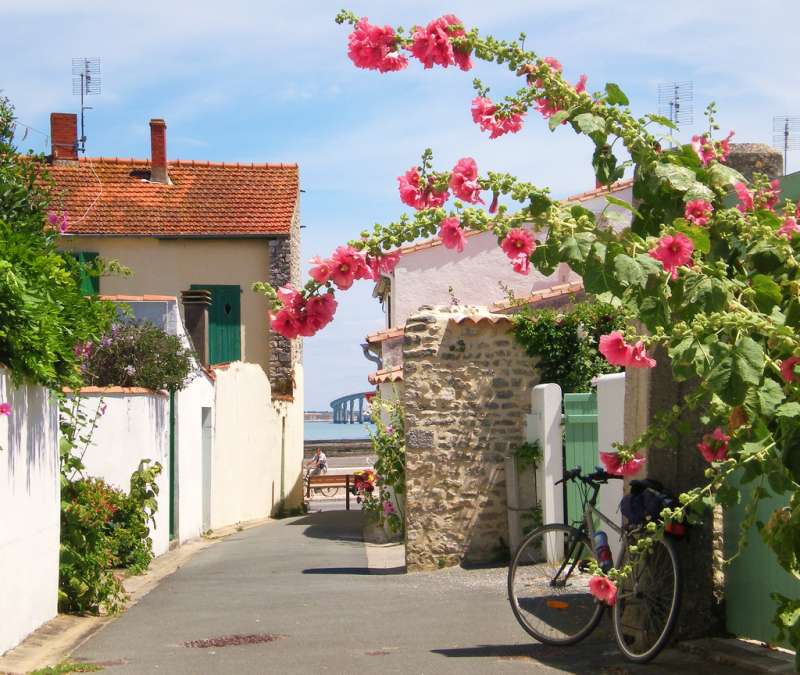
(565, 343)
(136, 355)
(43, 313)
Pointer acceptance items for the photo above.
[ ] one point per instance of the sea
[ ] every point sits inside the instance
(328, 431)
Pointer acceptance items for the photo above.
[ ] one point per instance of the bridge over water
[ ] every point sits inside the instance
(351, 409)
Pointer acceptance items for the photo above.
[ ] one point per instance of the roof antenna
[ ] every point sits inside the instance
(675, 102)
(786, 135)
(85, 82)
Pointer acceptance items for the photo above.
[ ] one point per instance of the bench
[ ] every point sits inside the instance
(344, 480)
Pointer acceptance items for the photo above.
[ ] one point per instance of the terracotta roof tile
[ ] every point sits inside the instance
(498, 318)
(386, 334)
(540, 296)
(394, 374)
(105, 196)
(128, 391)
(599, 192)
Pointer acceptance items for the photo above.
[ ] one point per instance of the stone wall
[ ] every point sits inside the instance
(284, 268)
(466, 394)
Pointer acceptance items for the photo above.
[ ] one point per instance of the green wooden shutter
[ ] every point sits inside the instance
(580, 445)
(88, 285)
(224, 322)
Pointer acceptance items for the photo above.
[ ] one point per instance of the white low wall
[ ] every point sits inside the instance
(194, 422)
(258, 446)
(135, 426)
(29, 511)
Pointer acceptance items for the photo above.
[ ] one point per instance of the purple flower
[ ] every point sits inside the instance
(105, 342)
(130, 370)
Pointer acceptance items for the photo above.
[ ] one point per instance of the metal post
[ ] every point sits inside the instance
(347, 492)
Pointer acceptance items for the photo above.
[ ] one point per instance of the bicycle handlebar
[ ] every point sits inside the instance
(599, 475)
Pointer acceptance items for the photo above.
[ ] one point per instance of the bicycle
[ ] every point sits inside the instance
(325, 491)
(548, 581)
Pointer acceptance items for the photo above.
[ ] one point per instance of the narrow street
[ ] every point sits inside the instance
(305, 581)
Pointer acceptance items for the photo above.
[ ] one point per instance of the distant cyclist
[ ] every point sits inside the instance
(319, 461)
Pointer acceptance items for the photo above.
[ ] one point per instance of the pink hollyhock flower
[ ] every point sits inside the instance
(703, 148)
(321, 271)
(673, 251)
(521, 264)
(320, 310)
(388, 508)
(603, 589)
(714, 446)
(638, 357)
(580, 87)
(787, 369)
(432, 45)
(347, 266)
(58, 221)
(486, 115)
(612, 463)
(745, 198)
(789, 227)
(451, 234)
(413, 194)
(285, 323)
(493, 205)
(290, 298)
(698, 211)
(614, 348)
(464, 181)
(725, 147)
(772, 195)
(383, 264)
(374, 48)
(518, 241)
(547, 108)
(5, 409)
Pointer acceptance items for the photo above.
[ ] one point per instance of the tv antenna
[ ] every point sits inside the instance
(786, 135)
(676, 102)
(85, 82)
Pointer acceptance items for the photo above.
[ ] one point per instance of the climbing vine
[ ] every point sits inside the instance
(565, 344)
(715, 288)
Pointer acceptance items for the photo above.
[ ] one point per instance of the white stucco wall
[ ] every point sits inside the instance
(250, 434)
(135, 426)
(475, 275)
(189, 480)
(29, 511)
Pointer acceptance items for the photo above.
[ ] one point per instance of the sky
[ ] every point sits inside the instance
(271, 82)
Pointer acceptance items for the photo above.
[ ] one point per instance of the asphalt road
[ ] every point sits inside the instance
(304, 585)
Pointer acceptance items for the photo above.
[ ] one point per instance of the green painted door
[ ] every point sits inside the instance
(89, 285)
(751, 577)
(224, 323)
(580, 445)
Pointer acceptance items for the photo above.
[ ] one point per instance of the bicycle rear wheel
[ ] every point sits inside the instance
(648, 600)
(329, 491)
(548, 588)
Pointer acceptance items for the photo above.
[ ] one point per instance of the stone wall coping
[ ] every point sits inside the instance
(126, 391)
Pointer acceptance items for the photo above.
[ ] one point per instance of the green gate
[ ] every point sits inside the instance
(580, 445)
(755, 574)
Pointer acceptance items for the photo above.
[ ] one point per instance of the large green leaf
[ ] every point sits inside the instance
(768, 293)
(558, 118)
(736, 368)
(615, 95)
(590, 124)
(724, 176)
(574, 249)
(628, 272)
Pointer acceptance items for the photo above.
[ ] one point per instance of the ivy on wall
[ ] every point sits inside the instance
(565, 343)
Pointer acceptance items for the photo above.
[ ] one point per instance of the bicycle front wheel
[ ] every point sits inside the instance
(648, 600)
(548, 585)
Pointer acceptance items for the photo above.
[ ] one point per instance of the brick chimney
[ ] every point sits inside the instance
(64, 136)
(158, 151)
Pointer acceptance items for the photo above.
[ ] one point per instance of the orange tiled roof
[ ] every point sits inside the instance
(394, 374)
(110, 196)
(599, 192)
(139, 298)
(128, 391)
(540, 296)
(385, 334)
